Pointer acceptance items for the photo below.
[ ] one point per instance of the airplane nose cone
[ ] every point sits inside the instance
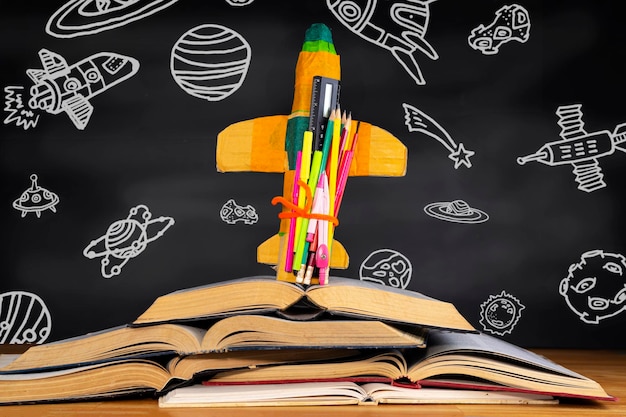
(318, 32)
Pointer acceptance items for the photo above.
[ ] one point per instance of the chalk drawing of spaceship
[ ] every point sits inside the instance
(63, 88)
(398, 26)
(271, 143)
(126, 238)
(579, 148)
(36, 199)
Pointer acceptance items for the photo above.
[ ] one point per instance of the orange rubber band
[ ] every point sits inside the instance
(297, 211)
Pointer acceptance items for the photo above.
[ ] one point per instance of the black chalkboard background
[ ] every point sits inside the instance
(149, 142)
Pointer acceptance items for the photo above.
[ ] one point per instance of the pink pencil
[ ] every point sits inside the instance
(344, 168)
(343, 178)
(292, 224)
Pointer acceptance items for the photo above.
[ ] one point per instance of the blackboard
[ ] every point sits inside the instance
(512, 254)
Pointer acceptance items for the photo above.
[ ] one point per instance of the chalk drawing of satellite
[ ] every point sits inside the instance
(579, 148)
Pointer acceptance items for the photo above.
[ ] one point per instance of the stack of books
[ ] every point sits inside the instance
(261, 341)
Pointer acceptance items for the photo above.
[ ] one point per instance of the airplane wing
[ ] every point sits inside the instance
(79, 110)
(52, 62)
(571, 121)
(36, 74)
(258, 145)
(269, 252)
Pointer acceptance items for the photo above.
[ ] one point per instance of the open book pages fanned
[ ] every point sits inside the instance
(342, 296)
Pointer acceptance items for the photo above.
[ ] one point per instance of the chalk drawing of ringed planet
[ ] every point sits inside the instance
(85, 17)
(210, 61)
(126, 238)
(456, 211)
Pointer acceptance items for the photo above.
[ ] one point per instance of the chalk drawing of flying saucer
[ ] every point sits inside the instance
(36, 199)
(86, 17)
(457, 211)
(126, 238)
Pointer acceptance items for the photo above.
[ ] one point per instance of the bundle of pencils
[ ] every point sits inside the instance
(321, 174)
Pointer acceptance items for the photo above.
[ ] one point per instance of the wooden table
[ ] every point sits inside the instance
(606, 367)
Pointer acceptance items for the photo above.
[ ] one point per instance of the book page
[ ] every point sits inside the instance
(441, 342)
(386, 393)
(274, 394)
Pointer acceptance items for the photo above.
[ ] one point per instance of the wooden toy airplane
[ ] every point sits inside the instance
(270, 143)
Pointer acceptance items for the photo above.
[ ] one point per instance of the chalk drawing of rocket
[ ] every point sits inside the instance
(398, 26)
(579, 148)
(63, 88)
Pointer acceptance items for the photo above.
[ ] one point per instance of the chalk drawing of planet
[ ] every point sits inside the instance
(86, 17)
(126, 238)
(210, 61)
(24, 318)
(386, 267)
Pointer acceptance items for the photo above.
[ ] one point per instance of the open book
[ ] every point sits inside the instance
(343, 296)
(136, 375)
(243, 332)
(451, 359)
(335, 393)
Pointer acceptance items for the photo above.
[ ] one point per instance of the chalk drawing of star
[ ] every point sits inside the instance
(461, 156)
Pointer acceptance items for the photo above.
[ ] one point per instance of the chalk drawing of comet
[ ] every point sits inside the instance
(418, 121)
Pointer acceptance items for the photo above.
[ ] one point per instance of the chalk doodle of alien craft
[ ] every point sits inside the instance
(232, 213)
(595, 287)
(579, 148)
(126, 238)
(210, 62)
(457, 211)
(418, 121)
(398, 26)
(19, 113)
(24, 318)
(271, 144)
(85, 17)
(63, 88)
(512, 23)
(386, 267)
(36, 199)
(500, 313)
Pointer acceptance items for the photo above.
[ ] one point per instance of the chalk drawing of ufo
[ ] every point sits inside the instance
(36, 199)
(85, 17)
(457, 211)
(126, 238)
